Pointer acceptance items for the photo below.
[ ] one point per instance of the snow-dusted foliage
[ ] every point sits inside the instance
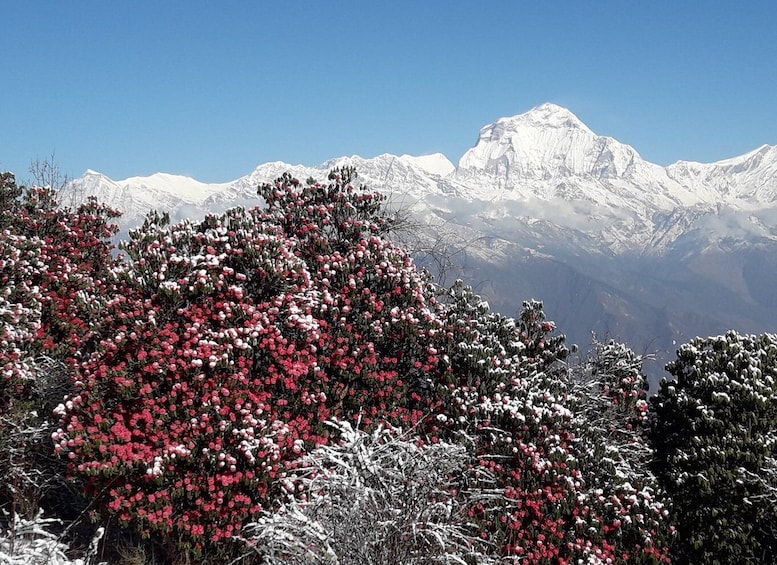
(230, 342)
(20, 300)
(611, 401)
(560, 503)
(52, 263)
(208, 365)
(714, 437)
(611, 422)
(31, 542)
(380, 498)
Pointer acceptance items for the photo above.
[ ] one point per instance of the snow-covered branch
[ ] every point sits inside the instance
(379, 498)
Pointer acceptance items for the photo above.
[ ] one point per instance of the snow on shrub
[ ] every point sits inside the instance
(53, 264)
(230, 342)
(31, 542)
(20, 313)
(227, 345)
(613, 450)
(379, 498)
(714, 433)
(519, 405)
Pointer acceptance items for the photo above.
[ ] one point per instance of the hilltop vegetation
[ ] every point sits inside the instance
(282, 385)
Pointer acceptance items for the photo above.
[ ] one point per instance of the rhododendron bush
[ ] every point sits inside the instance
(562, 501)
(225, 346)
(230, 342)
(51, 265)
(54, 264)
(714, 433)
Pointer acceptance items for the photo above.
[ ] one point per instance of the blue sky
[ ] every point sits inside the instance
(212, 89)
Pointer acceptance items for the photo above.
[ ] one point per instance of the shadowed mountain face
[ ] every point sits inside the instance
(542, 207)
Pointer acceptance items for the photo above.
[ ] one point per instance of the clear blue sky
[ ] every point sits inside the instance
(212, 89)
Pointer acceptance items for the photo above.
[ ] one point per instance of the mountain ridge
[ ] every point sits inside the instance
(613, 159)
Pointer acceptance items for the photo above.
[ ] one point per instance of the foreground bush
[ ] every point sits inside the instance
(565, 495)
(54, 273)
(228, 345)
(207, 375)
(715, 435)
(378, 498)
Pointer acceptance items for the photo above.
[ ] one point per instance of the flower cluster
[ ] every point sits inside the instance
(20, 312)
(51, 272)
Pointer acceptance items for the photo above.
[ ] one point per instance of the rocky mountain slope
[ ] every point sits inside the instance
(543, 207)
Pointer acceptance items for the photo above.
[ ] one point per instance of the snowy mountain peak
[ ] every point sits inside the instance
(186, 188)
(544, 155)
(550, 115)
(751, 177)
(435, 164)
(95, 177)
(546, 144)
(542, 206)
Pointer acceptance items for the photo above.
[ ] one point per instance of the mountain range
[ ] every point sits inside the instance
(543, 207)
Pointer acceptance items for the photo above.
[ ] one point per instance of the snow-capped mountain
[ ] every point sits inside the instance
(548, 153)
(749, 178)
(544, 207)
(135, 196)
